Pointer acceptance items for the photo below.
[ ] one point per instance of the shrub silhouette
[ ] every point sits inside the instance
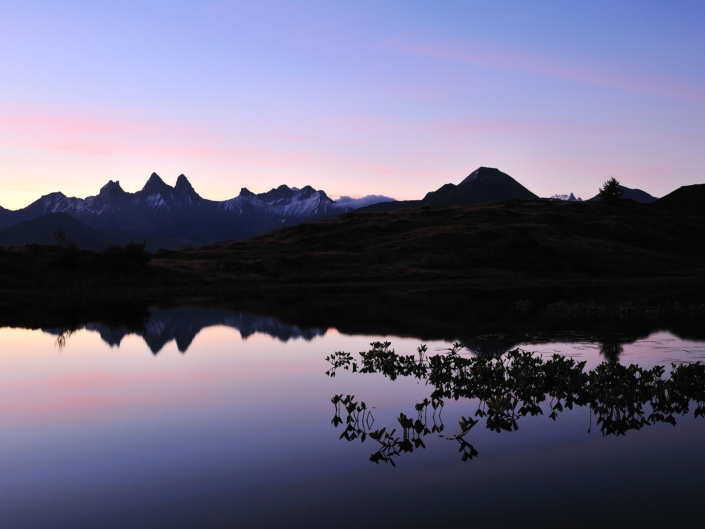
(511, 386)
(133, 252)
(610, 191)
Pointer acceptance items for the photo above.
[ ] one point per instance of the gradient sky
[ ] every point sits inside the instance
(354, 98)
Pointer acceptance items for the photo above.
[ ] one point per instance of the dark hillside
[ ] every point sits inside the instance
(41, 231)
(528, 238)
(5, 217)
(515, 240)
(390, 206)
(686, 200)
(472, 266)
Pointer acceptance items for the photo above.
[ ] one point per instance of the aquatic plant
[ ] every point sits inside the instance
(517, 384)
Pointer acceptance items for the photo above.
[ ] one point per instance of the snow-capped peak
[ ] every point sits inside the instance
(567, 198)
(283, 202)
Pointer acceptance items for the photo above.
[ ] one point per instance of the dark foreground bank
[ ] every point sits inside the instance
(456, 267)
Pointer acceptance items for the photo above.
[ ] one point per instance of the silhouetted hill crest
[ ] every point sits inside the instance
(483, 185)
(686, 200)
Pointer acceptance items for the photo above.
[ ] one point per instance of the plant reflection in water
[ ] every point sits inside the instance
(513, 385)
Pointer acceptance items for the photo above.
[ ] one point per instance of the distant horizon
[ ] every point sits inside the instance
(254, 191)
(372, 98)
(331, 196)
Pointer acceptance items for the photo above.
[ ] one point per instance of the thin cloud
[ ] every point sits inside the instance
(103, 133)
(356, 203)
(481, 55)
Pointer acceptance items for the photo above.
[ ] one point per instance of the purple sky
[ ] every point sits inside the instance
(355, 98)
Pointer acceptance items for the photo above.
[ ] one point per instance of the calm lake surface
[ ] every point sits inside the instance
(207, 418)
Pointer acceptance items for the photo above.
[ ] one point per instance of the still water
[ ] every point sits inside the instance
(206, 418)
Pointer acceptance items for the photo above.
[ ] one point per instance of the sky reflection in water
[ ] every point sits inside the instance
(237, 432)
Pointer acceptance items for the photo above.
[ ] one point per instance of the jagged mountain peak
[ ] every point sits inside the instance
(183, 185)
(308, 191)
(283, 192)
(111, 187)
(566, 198)
(155, 183)
(55, 194)
(178, 216)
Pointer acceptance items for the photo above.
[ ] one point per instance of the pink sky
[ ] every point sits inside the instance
(372, 98)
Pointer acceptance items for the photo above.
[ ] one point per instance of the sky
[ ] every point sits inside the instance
(378, 97)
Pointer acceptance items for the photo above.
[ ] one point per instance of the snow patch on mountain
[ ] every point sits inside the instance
(284, 203)
(567, 198)
(156, 203)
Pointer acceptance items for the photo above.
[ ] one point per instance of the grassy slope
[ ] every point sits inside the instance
(533, 245)
(530, 240)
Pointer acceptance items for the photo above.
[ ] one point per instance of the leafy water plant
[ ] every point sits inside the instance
(359, 422)
(517, 384)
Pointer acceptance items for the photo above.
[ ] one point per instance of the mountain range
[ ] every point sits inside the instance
(566, 198)
(178, 217)
(182, 324)
(175, 217)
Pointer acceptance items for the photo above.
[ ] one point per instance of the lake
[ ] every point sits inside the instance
(210, 418)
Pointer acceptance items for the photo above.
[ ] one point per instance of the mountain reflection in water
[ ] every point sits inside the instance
(182, 324)
(237, 433)
(510, 386)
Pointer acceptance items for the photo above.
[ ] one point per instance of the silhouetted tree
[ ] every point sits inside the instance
(60, 236)
(69, 248)
(611, 191)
